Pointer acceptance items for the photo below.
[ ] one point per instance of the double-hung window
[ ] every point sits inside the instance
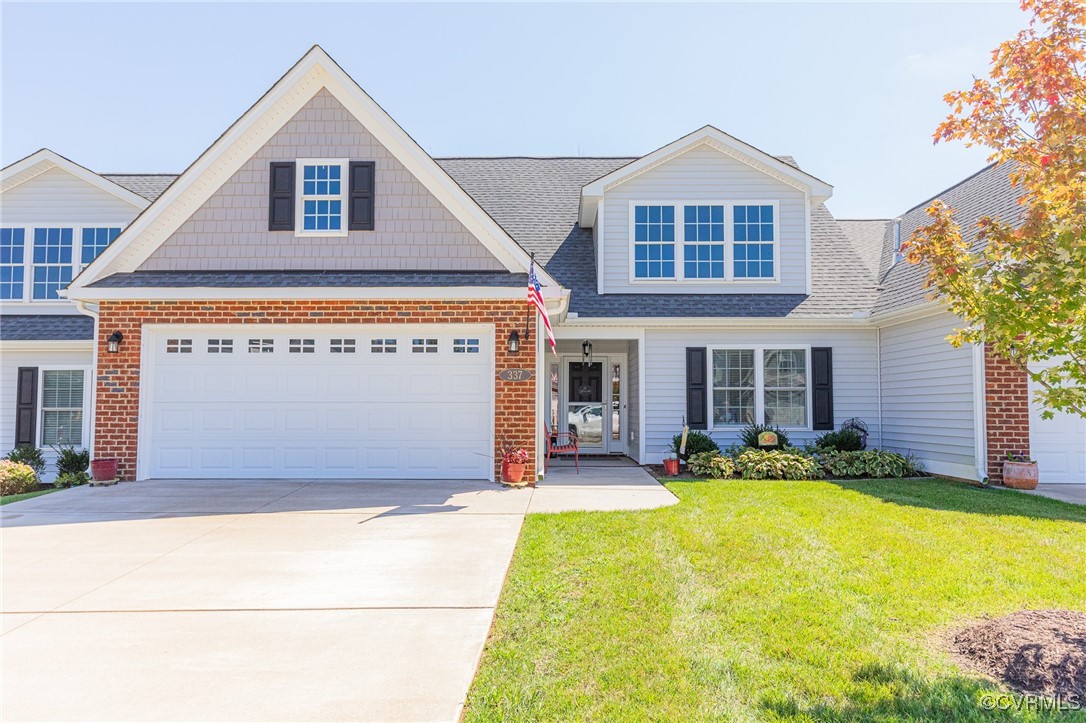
(95, 241)
(654, 242)
(322, 202)
(12, 261)
(52, 261)
(754, 242)
(62, 407)
(37, 262)
(703, 242)
(760, 385)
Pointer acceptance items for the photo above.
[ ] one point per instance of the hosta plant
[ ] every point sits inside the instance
(872, 463)
(777, 464)
(711, 464)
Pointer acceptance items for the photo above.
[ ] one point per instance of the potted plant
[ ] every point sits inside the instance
(671, 463)
(514, 462)
(1019, 472)
(104, 469)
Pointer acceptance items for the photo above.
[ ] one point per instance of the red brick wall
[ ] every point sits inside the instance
(117, 388)
(1006, 389)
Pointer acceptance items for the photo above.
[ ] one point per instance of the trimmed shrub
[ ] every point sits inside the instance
(711, 464)
(776, 464)
(16, 478)
(32, 457)
(749, 436)
(696, 443)
(844, 440)
(72, 462)
(872, 463)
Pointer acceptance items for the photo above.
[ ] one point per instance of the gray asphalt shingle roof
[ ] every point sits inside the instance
(46, 327)
(986, 193)
(148, 185)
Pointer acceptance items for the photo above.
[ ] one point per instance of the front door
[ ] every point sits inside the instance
(584, 409)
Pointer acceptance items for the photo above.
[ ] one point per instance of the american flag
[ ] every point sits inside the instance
(535, 297)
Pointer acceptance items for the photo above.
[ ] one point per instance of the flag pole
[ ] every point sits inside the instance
(528, 310)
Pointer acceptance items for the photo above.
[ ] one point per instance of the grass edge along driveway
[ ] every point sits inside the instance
(766, 600)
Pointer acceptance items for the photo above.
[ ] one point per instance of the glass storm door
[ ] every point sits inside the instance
(585, 405)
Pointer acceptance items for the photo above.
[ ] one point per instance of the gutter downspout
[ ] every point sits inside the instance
(980, 422)
(878, 375)
(92, 313)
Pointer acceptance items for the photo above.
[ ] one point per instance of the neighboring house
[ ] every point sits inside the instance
(315, 296)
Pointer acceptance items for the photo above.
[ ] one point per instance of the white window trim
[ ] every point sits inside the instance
(759, 384)
(729, 242)
(86, 408)
(28, 254)
(344, 192)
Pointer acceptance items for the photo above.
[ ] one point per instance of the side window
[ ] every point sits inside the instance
(654, 242)
(12, 258)
(754, 233)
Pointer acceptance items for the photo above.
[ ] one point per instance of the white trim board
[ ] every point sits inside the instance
(312, 73)
(43, 160)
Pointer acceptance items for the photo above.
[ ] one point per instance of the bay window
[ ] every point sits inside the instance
(759, 385)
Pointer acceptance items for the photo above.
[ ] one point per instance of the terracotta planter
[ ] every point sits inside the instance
(1020, 475)
(512, 473)
(103, 470)
(671, 467)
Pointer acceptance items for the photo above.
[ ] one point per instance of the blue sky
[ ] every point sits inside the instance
(852, 90)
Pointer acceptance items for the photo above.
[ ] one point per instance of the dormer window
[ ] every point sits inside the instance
(724, 241)
(322, 197)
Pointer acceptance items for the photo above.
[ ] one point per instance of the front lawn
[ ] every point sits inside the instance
(754, 600)
(8, 499)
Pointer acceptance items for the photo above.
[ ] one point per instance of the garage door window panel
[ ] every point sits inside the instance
(261, 346)
(342, 346)
(382, 346)
(424, 346)
(179, 346)
(220, 346)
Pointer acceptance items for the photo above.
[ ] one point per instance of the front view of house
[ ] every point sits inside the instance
(316, 296)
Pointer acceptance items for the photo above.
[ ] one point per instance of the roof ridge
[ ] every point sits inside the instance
(532, 158)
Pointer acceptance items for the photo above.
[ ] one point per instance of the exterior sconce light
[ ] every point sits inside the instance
(586, 352)
(514, 342)
(113, 343)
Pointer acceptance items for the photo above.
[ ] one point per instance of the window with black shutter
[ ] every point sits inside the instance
(281, 196)
(26, 406)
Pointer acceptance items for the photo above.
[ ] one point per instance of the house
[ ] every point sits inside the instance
(316, 296)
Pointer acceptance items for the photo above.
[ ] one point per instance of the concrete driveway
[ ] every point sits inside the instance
(256, 600)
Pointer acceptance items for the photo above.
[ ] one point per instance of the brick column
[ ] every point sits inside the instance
(1006, 389)
(117, 388)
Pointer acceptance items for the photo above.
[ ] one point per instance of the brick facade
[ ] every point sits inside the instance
(1006, 390)
(118, 377)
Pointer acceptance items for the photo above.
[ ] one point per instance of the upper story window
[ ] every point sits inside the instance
(721, 241)
(37, 262)
(322, 198)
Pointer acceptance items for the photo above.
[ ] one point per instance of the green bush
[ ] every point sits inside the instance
(71, 479)
(844, 440)
(749, 436)
(696, 443)
(776, 464)
(16, 478)
(871, 463)
(32, 457)
(711, 464)
(72, 462)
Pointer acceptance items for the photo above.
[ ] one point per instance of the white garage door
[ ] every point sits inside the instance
(376, 402)
(1058, 444)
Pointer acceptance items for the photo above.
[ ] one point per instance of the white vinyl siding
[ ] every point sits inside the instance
(56, 198)
(855, 377)
(633, 403)
(927, 395)
(706, 176)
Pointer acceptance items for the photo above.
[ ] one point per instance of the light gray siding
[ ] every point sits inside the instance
(927, 395)
(57, 196)
(413, 231)
(703, 174)
(633, 404)
(855, 377)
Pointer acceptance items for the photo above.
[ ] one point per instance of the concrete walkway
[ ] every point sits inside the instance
(601, 485)
(265, 600)
(1075, 492)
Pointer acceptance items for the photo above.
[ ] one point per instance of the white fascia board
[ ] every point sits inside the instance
(316, 70)
(581, 323)
(41, 161)
(818, 190)
(48, 345)
(279, 293)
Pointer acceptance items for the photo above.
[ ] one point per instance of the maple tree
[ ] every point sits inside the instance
(1020, 285)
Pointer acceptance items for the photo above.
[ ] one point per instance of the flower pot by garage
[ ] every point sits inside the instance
(512, 473)
(1020, 475)
(103, 470)
(671, 467)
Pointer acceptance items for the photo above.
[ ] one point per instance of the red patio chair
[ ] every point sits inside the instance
(559, 443)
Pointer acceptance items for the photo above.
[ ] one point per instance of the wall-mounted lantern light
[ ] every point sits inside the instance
(586, 352)
(514, 342)
(113, 343)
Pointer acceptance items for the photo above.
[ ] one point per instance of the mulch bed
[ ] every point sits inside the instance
(1033, 651)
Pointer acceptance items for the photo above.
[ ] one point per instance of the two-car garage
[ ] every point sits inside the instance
(323, 401)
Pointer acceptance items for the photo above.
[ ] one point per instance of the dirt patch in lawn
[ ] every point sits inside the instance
(1032, 651)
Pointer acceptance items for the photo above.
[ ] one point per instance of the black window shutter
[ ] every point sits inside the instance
(361, 198)
(26, 406)
(281, 196)
(822, 386)
(697, 416)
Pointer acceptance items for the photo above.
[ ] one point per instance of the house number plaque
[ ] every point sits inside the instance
(515, 375)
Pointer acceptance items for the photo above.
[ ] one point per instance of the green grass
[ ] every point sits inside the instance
(756, 601)
(8, 499)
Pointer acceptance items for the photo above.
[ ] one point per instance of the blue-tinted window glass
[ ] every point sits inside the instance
(654, 242)
(52, 259)
(12, 257)
(95, 241)
(754, 236)
(703, 237)
(324, 212)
